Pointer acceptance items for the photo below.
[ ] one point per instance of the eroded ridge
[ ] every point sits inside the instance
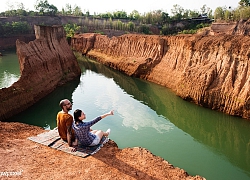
(211, 71)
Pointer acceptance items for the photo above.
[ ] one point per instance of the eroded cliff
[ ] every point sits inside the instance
(241, 27)
(45, 63)
(211, 71)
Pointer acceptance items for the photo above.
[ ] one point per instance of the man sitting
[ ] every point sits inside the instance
(64, 122)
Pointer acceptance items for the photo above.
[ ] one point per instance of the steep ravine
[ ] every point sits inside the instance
(211, 71)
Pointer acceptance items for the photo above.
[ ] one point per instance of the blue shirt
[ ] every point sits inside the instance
(82, 131)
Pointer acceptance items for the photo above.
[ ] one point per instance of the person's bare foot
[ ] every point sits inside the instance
(108, 132)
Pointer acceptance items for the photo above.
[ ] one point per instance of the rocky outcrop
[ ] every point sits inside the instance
(241, 27)
(45, 63)
(211, 71)
(223, 28)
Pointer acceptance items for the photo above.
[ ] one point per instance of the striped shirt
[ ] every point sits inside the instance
(82, 131)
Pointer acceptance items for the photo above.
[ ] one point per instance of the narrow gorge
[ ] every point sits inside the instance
(211, 71)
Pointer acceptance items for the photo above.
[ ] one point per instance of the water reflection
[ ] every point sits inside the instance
(143, 118)
(137, 119)
(9, 68)
(225, 135)
(199, 140)
(50, 107)
(7, 79)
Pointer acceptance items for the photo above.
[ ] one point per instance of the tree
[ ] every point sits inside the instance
(7, 28)
(148, 18)
(107, 15)
(131, 26)
(10, 13)
(20, 27)
(177, 12)
(209, 13)
(52, 10)
(71, 29)
(244, 3)
(134, 15)
(110, 23)
(120, 15)
(144, 29)
(41, 6)
(186, 14)
(63, 12)
(14, 28)
(219, 13)
(45, 8)
(164, 17)
(77, 11)
(87, 13)
(245, 13)
(204, 9)
(193, 14)
(227, 15)
(21, 12)
(236, 15)
(68, 9)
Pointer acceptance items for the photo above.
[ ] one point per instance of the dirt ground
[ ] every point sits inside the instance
(21, 158)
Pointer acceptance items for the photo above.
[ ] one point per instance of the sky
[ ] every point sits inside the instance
(102, 6)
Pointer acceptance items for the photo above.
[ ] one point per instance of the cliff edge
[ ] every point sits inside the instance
(45, 63)
(25, 159)
(211, 71)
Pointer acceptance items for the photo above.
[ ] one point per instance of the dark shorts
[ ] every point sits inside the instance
(95, 141)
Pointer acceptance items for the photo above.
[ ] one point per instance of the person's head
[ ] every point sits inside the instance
(79, 115)
(66, 105)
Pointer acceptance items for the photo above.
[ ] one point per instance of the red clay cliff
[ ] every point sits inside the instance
(211, 71)
(45, 63)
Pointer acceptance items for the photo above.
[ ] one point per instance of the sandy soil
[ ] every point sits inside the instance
(21, 158)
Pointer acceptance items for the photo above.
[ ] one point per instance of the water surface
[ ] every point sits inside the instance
(9, 69)
(201, 141)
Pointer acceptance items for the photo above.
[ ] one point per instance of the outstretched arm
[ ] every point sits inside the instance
(107, 114)
(91, 123)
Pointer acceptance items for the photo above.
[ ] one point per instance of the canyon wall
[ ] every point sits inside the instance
(211, 71)
(45, 63)
(241, 27)
(10, 42)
